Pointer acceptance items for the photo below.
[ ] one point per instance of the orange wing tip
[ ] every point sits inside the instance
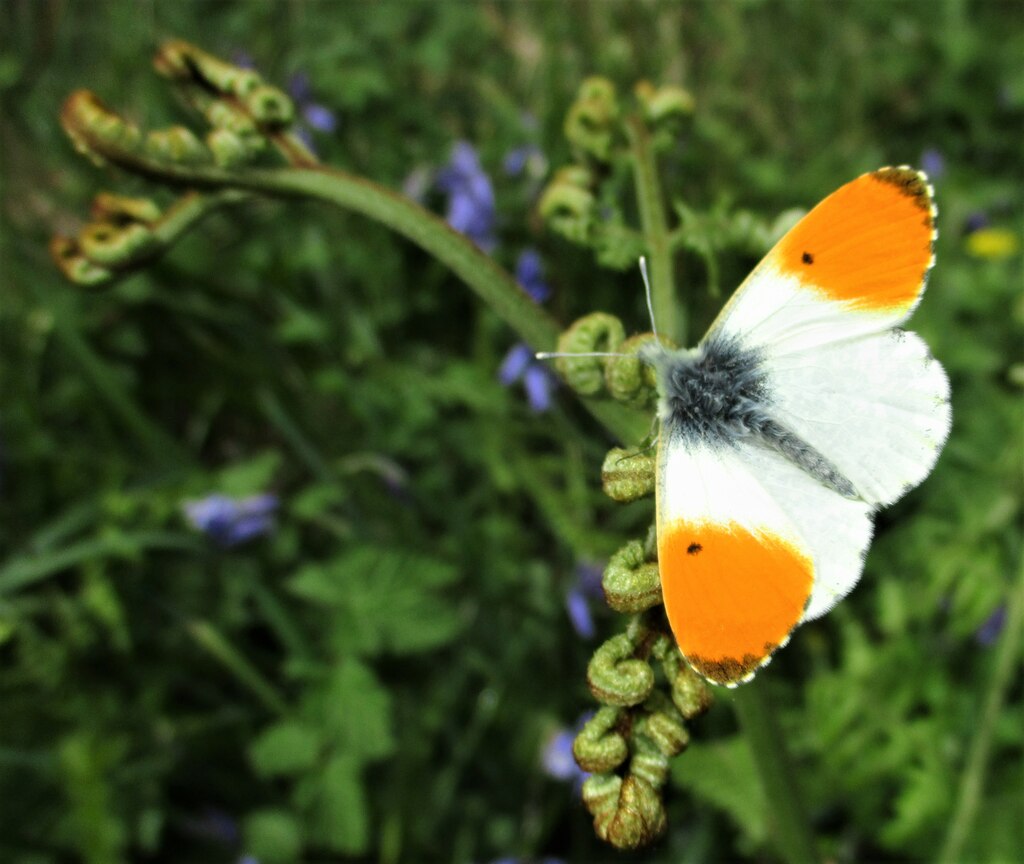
(915, 184)
(839, 251)
(730, 672)
(911, 182)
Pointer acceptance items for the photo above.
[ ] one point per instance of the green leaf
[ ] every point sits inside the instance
(336, 806)
(273, 836)
(724, 774)
(290, 747)
(251, 476)
(87, 763)
(381, 600)
(354, 711)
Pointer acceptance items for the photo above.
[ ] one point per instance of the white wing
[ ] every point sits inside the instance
(820, 309)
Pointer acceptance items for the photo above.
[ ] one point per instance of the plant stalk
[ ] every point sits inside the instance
(972, 781)
(787, 818)
(669, 315)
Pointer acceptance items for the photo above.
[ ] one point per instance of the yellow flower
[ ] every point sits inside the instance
(992, 243)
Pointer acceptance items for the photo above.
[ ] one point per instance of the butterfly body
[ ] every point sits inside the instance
(800, 413)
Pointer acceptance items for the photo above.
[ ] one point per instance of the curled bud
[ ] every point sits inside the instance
(568, 209)
(222, 114)
(664, 726)
(631, 583)
(627, 475)
(627, 813)
(590, 124)
(661, 104)
(75, 266)
(628, 378)
(648, 762)
(93, 127)
(117, 246)
(176, 145)
(615, 678)
(269, 106)
(230, 149)
(120, 209)
(182, 61)
(598, 331)
(690, 693)
(599, 747)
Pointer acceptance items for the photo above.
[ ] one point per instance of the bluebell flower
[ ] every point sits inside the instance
(989, 631)
(585, 589)
(557, 758)
(471, 208)
(232, 521)
(528, 159)
(214, 824)
(976, 221)
(933, 163)
(519, 364)
(530, 275)
(538, 380)
(314, 116)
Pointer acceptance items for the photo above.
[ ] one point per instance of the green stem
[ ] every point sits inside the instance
(669, 315)
(481, 273)
(154, 440)
(211, 640)
(786, 814)
(25, 570)
(972, 781)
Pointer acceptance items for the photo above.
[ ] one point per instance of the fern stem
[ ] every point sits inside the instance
(972, 781)
(669, 315)
(787, 818)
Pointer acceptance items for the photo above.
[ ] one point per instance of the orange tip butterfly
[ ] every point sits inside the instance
(802, 411)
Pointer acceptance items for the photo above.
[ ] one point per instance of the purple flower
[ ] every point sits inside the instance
(585, 589)
(520, 364)
(314, 116)
(530, 275)
(213, 824)
(538, 381)
(514, 365)
(557, 758)
(976, 221)
(529, 158)
(933, 163)
(989, 631)
(471, 207)
(232, 521)
(578, 607)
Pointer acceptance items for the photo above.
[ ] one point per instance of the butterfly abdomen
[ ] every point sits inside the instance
(720, 394)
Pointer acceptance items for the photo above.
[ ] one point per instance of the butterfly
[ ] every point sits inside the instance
(802, 411)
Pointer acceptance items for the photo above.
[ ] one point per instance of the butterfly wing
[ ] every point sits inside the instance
(745, 540)
(821, 308)
(750, 544)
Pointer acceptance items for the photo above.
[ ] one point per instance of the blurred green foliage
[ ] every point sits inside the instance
(377, 679)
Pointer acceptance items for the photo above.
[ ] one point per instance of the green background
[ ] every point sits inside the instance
(377, 680)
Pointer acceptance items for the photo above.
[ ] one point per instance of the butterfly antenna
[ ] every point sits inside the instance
(548, 355)
(647, 292)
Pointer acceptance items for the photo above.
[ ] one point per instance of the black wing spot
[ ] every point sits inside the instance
(807, 258)
(693, 548)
